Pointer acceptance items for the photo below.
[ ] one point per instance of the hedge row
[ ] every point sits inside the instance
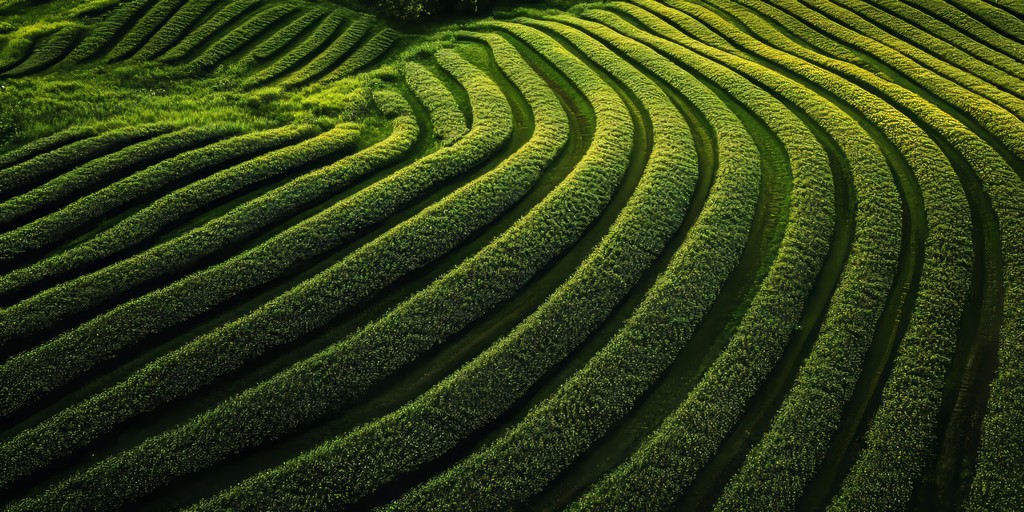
(321, 382)
(973, 97)
(196, 36)
(368, 52)
(426, 236)
(43, 145)
(283, 39)
(999, 476)
(334, 53)
(316, 301)
(90, 290)
(898, 440)
(448, 120)
(778, 468)
(668, 460)
(994, 16)
(821, 42)
(102, 34)
(57, 225)
(527, 455)
(251, 29)
(312, 42)
(949, 13)
(902, 432)
(948, 44)
(481, 390)
(37, 170)
(47, 51)
(173, 30)
(155, 17)
(94, 173)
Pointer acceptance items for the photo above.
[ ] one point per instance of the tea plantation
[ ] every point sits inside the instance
(631, 255)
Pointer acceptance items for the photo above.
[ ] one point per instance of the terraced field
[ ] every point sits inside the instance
(634, 255)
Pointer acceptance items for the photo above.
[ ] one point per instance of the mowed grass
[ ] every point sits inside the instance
(625, 255)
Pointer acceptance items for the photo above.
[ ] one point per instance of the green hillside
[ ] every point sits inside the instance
(689, 255)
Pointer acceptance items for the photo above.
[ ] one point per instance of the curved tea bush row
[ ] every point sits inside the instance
(449, 122)
(102, 35)
(18, 45)
(42, 167)
(41, 310)
(508, 262)
(993, 116)
(888, 468)
(490, 305)
(999, 479)
(667, 460)
(234, 40)
(994, 17)
(334, 52)
(493, 381)
(311, 43)
(559, 428)
(42, 146)
(41, 369)
(941, 45)
(143, 29)
(951, 14)
(95, 172)
(56, 226)
(282, 39)
(902, 47)
(409, 245)
(368, 52)
(47, 51)
(429, 234)
(934, 26)
(174, 29)
(227, 14)
(945, 269)
(776, 470)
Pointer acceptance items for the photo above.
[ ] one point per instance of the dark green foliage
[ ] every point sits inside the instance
(305, 255)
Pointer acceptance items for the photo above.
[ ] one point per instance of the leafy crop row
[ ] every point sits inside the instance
(319, 299)
(425, 236)
(102, 36)
(95, 172)
(972, 97)
(778, 468)
(53, 227)
(282, 39)
(312, 42)
(45, 166)
(957, 18)
(888, 467)
(668, 460)
(155, 17)
(449, 122)
(948, 44)
(47, 51)
(174, 29)
(242, 35)
(234, 10)
(367, 52)
(560, 427)
(43, 145)
(333, 54)
(42, 310)
(259, 409)
(471, 396)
